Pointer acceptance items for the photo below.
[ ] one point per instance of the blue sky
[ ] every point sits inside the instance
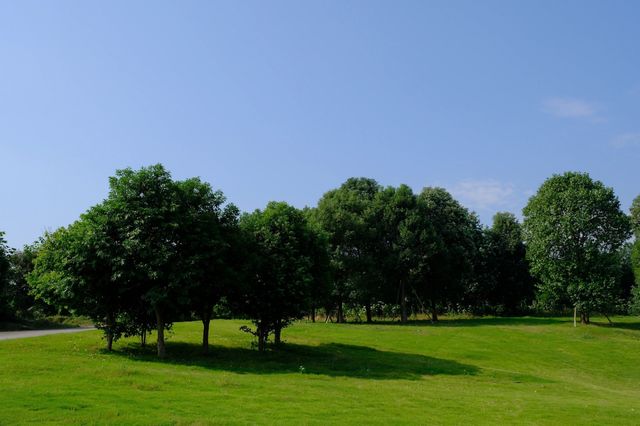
(279, 100)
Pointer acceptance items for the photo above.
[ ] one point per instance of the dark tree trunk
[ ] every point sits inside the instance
(367, 308)
(162, 351)
(584, 318)
(434, 312)
(277, 333)
(313, 314)
(262, 338)
(403, 303)
(109, 339)
(143, 338)
(110, 327)
(206, 321)
(340, 313)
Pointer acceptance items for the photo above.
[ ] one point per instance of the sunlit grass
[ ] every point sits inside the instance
(519, 370)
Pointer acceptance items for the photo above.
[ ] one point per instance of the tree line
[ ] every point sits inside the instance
(159, 250)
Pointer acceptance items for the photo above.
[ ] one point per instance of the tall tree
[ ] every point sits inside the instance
(393, 208)
(24, 305)
(5, 252)
(280, 276)
(321, 267)
(504, 284)
(443, 239)
(144, 204)
(573, 229)
(347, 216)
(635, 254)
(74, 270)
(206, 233)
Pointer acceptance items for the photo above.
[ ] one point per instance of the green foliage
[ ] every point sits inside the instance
(573, 229)
(444, 238)
(635, 216)
(77, 270)
(281, 245)
(393, 209)
(503, 283)
(5, 270)
(22, 302)
(347, 216)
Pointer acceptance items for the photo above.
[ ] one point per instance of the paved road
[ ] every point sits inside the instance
(6, 335)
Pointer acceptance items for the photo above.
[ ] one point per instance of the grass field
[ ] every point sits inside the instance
(522, 370)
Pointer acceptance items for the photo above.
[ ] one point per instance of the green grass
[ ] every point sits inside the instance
(475, 371)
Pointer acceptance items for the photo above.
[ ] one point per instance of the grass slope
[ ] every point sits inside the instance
(522, 370)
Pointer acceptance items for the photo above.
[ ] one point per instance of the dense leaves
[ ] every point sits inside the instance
(282, 249)
(573, 230)
(157, 250)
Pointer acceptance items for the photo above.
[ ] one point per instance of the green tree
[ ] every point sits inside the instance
(206, 234)
(393, 208)
(23, 303)
(573, 229)
(5, 252)
(321, 268)
(504, 284)
(145, 207)
(635, 254)
(280, 244)
(443, 240)
(347, 216)
(73, 272)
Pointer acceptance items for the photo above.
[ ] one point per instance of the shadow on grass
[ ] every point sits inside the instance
(331, 359)
(42, 324)
(623, 325)
(475, 322)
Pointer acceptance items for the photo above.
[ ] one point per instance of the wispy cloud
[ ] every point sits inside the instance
(570, 108)
(483, 194)
(626, 139)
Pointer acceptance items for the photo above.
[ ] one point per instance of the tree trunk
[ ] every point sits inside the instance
(584, 318)
(261, 338)
(403, 303)
(313, 314)
(367, 308)
(162, 352)
(109, 339)
(434, 312)
(143, 338)
(340, 313)
(277, 333)
(206, 321)
(110, 327)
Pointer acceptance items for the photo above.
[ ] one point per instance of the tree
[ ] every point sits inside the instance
(206, 233)
(77, 269)
(635, 254)
(392, 209)
(504, 284)
(573, 229)
(23, 304)
(635, 215)
(321, 267)
(347, 216)
(145, 207)
(442, 241)
(5, 252)
(280, 244)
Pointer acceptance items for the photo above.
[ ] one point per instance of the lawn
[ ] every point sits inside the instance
(517, 370)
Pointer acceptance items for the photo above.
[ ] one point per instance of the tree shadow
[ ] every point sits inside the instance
(475, 322)
(635, 326)
(332, 359)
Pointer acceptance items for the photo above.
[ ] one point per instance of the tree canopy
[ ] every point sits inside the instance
(573, 228)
